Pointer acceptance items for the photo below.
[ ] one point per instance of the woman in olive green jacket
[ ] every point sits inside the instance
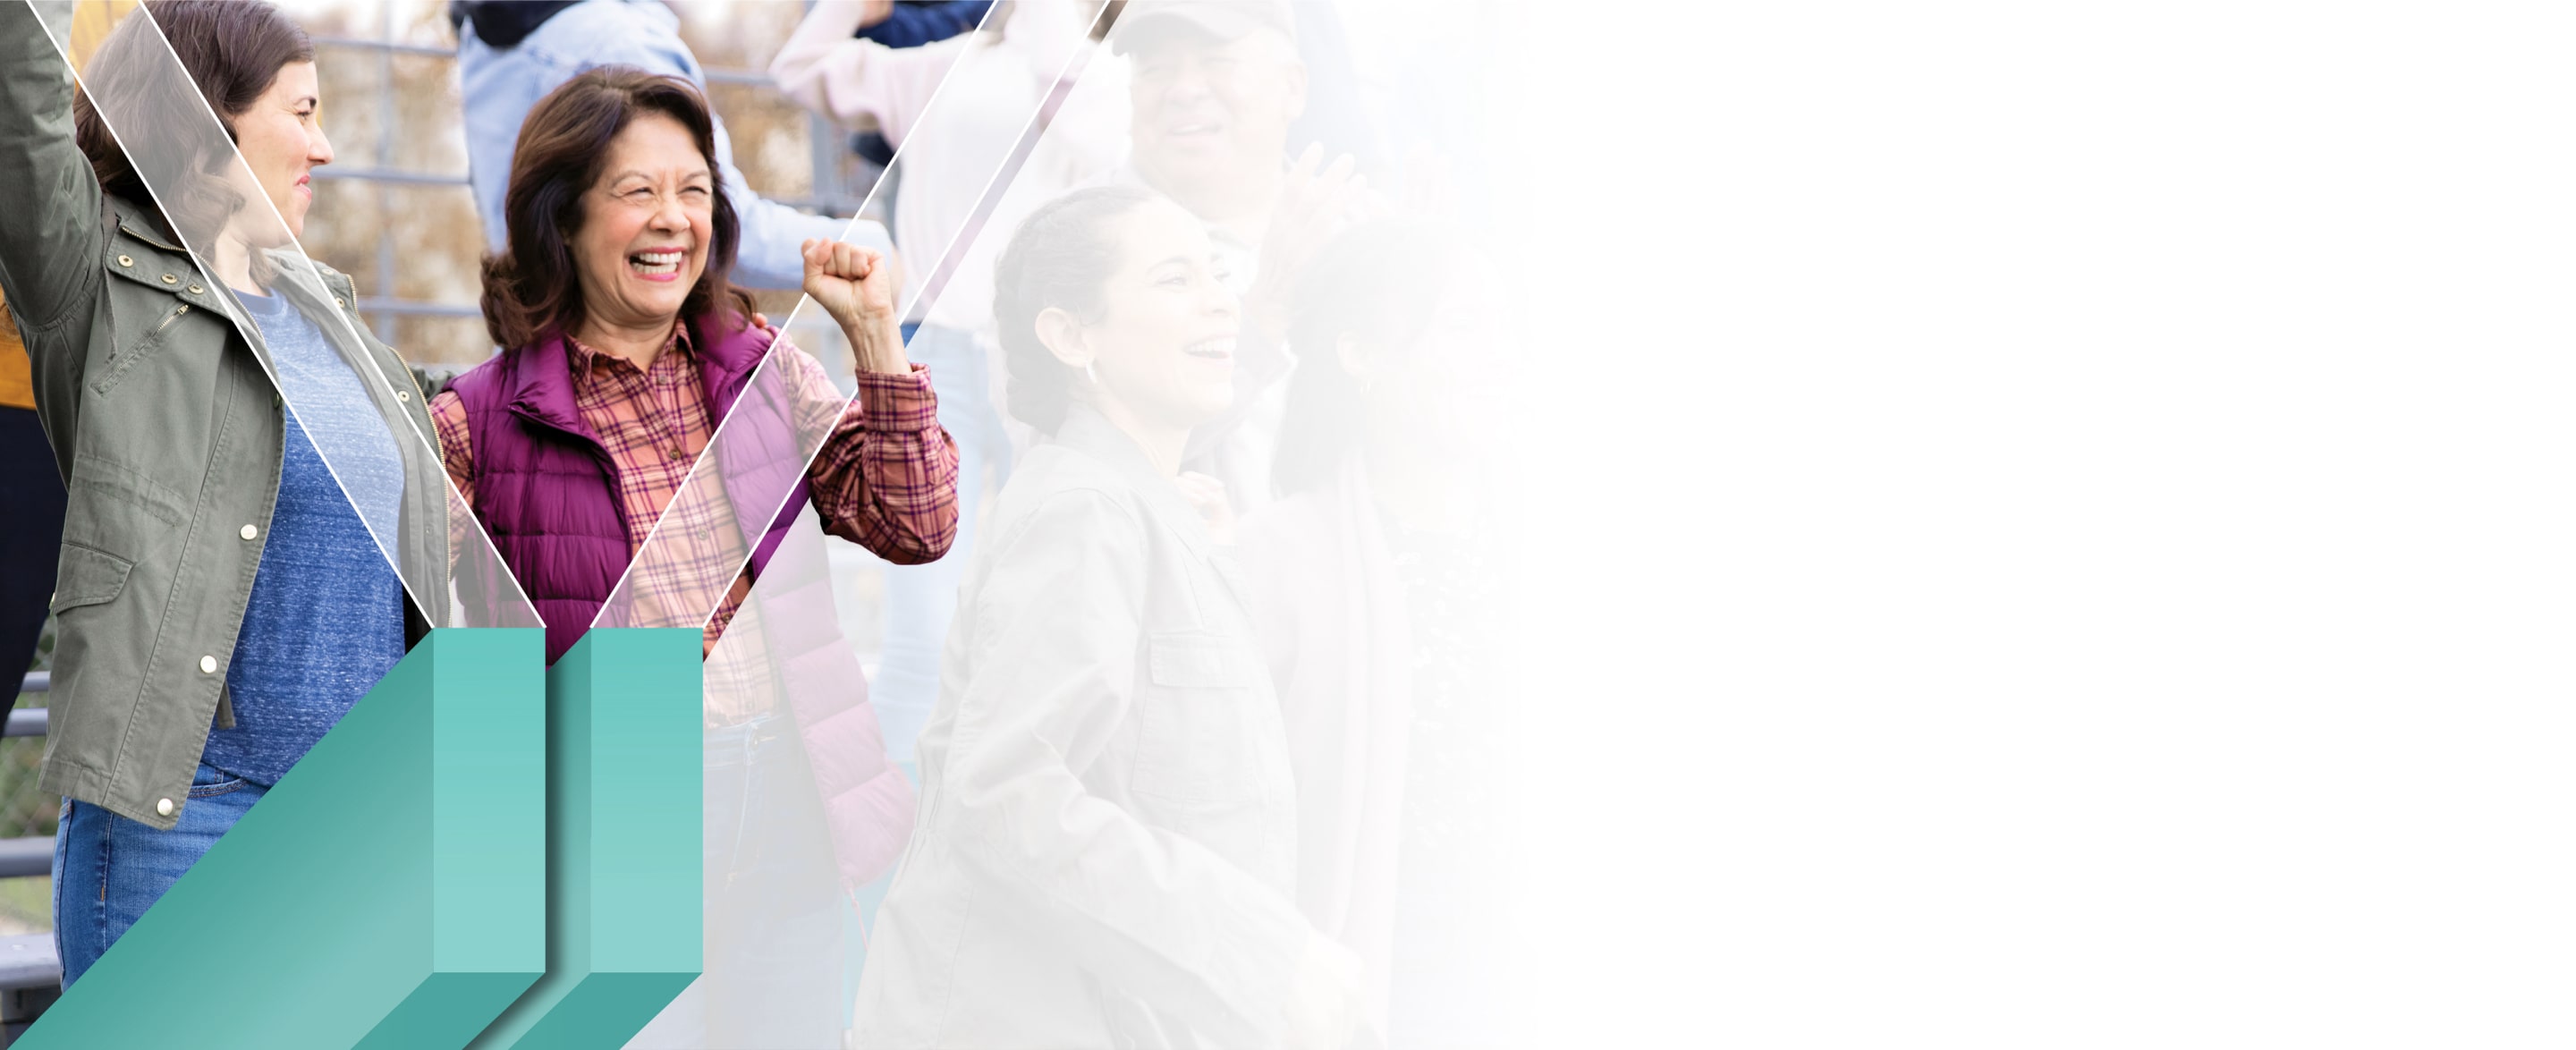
(225, 591)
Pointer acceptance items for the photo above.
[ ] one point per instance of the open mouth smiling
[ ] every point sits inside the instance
(659, 264)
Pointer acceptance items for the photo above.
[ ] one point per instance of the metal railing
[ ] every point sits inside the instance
(31, 974)
(32, 855)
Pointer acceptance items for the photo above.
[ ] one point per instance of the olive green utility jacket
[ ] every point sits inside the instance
(169, 435)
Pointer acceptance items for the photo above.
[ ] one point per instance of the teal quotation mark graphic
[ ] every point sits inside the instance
(624, 776)
(481, 843)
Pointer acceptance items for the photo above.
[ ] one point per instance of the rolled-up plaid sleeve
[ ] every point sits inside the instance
(456, 450)
(455, 441)
(886, 478)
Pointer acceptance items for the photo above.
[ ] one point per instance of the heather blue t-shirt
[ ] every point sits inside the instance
(325, 620)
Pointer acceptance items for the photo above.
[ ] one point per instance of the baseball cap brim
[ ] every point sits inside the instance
(1212, 18)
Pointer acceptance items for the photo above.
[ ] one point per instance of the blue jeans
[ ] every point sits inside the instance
(920, 599)
(109, 869)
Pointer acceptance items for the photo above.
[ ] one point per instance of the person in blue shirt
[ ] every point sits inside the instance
(509, 55)
(912, 23)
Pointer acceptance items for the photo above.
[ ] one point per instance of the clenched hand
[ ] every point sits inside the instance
(857, 286)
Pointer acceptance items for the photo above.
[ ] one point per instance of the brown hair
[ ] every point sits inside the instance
(1061, 256)
(532, 288)
(231, 50)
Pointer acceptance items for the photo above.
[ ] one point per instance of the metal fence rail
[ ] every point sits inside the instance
(33, 855)
(31, 974)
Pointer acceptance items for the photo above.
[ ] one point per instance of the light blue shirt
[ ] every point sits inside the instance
(503, 84)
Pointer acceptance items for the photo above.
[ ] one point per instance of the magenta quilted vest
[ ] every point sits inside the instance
(546, 491)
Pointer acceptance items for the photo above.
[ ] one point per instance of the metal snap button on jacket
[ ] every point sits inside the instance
(125, 260)
(166, 807)
(206, 664)
(169, 278)
(250, 532)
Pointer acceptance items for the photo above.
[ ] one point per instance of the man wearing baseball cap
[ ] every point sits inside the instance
(1213, 89)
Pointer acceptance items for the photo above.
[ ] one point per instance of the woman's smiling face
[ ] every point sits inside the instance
(281, 142)
(646, 224)
(1164, 343)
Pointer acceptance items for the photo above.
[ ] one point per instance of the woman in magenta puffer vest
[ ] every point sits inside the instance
(626, 348)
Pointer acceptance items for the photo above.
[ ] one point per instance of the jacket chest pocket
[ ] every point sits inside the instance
(1196, 739)
(154, 338)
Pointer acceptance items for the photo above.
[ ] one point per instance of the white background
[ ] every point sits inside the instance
(2052, 525)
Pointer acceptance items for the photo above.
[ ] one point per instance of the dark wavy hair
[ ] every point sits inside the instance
(532, 289)
(1378, 282)
(230, 52)
(1060, 257)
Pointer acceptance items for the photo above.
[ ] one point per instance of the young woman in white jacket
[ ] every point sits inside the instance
(1106, 854)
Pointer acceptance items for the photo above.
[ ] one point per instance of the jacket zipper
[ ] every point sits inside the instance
(121, 363)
